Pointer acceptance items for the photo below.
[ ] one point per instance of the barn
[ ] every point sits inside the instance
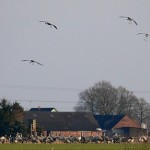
(121, 124)
(64, 123)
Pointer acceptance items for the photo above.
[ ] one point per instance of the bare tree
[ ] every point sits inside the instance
(99, 99)
(105, 95)
(142, 109)
(105, 99)
(126, 101)
(87, 101)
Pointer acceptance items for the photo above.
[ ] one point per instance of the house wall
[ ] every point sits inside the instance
(108, 133)
(130, 132)
(123, 132)
(134, 132)
(138, 132)
(120, 132)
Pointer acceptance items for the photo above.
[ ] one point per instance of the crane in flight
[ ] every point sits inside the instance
(129, 19)
(145, 34)
(33, 61)
(50, 24)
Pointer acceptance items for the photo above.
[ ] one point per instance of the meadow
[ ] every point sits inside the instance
(74, 146)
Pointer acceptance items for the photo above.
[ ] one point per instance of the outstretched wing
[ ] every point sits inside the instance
(26, 60)
(54, 26)
(42, 21)
(141, 33)
(49, 24)
(134, 21)
(38, 63)
(123, 17)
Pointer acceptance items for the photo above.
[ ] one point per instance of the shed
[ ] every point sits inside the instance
(121, 124)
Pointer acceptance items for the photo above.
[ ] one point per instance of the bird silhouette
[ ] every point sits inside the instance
(32, 61)
(50, 24)
(129, 19)
(145, 34)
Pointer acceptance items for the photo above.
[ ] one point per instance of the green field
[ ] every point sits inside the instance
(74, 146)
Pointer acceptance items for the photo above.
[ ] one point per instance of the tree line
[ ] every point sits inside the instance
(11, 119)
(11, 116)
(105, 99)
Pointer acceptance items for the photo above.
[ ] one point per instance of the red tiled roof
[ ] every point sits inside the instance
(127, 122)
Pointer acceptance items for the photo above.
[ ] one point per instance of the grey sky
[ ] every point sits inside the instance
(91, 44)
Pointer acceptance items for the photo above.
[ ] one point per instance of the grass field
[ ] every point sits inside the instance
(74, 146)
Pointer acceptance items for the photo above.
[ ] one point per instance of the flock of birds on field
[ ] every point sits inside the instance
(52, 25)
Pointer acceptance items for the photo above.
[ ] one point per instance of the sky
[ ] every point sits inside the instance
(92, 44)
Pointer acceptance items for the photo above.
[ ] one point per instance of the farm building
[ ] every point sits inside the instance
(77, 123)
(64, 123)
(121, 124)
